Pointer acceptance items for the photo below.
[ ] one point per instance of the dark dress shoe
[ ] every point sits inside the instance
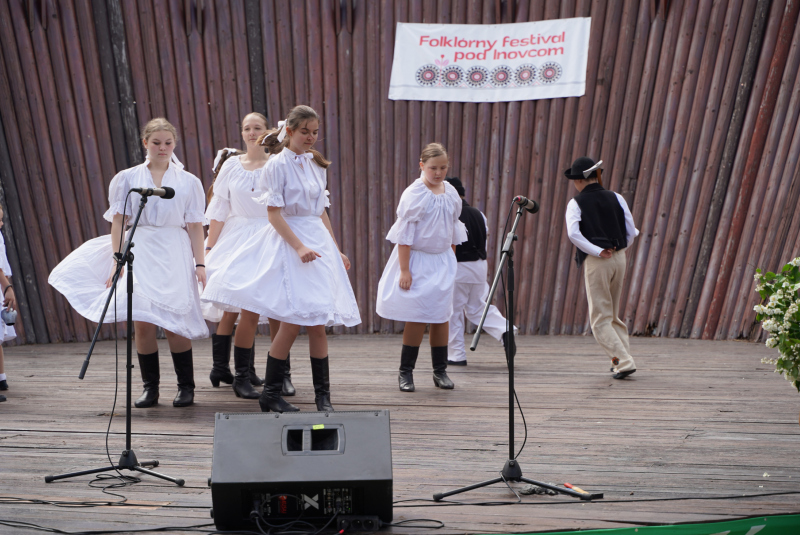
(2, 398)
(622, 375)
(456, 362)
(3, 385)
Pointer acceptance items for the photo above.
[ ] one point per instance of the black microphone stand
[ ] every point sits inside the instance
(127, 460)
(511, 470)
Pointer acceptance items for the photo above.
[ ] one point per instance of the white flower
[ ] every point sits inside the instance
(772, 342)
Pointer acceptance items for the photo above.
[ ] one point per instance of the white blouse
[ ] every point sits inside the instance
(4, 265)
(186, 207)
(426, 221)
(296, 183)
(236, 192)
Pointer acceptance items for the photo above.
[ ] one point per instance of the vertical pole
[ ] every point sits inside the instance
(129, 360)
(510, 346)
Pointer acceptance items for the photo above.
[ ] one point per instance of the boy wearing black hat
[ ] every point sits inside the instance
(471, 289)
(600, 225)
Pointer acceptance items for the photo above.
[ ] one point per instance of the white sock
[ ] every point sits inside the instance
(2, 377)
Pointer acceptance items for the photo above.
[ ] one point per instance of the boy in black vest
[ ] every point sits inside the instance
(471, 289)
(600, 225)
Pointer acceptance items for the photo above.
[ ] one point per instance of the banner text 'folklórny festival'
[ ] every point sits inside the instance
(490, 62)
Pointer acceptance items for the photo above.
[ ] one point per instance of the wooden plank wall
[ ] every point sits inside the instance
(692, 104)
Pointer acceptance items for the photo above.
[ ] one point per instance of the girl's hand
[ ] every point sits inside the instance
(10, 300)
(405, 280)
(306, 254)
(606, 253)
(200, 271)
(111, 277)
(345, 260)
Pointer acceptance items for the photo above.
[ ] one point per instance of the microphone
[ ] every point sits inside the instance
(529, 204)
(164, 193)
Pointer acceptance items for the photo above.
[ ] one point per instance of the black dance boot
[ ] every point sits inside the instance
(255, 380)
(408, 358)
(288, 387)
(271, 399)
(439, 358)
(221, 357)
(184, 369)
(151, 375)
(322, 384)
(242, 386)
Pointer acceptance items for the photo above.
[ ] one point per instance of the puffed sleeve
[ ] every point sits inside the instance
(117, 191)
(275, 184)
(459, 229)
(220, 206)
(410, 210)
(196, 202)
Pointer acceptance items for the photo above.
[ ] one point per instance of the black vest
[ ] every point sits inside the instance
(602, 219)
(474, 248)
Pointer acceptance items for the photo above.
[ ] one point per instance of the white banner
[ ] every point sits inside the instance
(490, 62)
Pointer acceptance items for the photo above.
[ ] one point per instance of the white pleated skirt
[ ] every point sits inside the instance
(430, 298)
(266, 276)
(236, 231)
(165, 289)
(7, 332)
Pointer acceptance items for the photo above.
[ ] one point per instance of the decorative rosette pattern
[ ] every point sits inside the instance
(452, 76)
(550, 72)
(477, 76)
(427, 75)
(524, 75)
(501, 76)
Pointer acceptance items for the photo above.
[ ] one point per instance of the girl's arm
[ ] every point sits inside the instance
(195, 231)
(214, 230)
(404, 254)
(9, 299)
(286, 232)
(117, 241)
(327, 222)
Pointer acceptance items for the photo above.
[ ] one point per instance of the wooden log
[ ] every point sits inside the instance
(275, 107)
(330, 97)
(316, 88)
(133, 36)
(300, 53)
(387, 138)
(255, 57)
(350, 232)
(374, 97)
(756, 147)
(25, 161)
(213, 83)
(227, 59)
(718, 113)
(124, 82)
(190, 140)
(19, 252)
(245, 86)
(286, 76)
(150, 49)
(772, 175)
(360, 187)
(694, 95)
(643, 148)
(470, 114)
(705, 271)
(788, 228)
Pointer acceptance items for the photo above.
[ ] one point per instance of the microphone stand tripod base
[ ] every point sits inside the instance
(127, 461)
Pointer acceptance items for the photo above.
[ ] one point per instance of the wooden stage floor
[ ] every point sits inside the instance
(702, 432)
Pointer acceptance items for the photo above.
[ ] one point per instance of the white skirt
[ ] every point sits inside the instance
(235, 232)
(8, 331)
(165, 289)
(266, 276)
(430, 298)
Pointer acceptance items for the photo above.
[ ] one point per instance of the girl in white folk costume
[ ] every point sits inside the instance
(417, 283)
(233, 215)
(294, 270)
(169, 263)
(7, 332)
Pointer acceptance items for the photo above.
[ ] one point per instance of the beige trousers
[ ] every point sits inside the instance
(604, 278)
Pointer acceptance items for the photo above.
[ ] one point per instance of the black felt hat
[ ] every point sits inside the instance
(579, 168)
(456, 183)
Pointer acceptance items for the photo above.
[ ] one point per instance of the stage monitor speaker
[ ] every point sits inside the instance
(307, 465)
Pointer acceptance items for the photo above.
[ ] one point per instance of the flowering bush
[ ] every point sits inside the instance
(780, 317)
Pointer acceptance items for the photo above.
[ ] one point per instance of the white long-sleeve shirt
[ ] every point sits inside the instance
(573, 217)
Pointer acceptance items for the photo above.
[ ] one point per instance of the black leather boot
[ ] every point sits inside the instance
(322, 384)
(242, 386)
(513, 345)
(271, 399)
(255, 380)
(184, 369)
(151, 375)
(221, 357)
(288, 387)
(408, 358)
(439, 358)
